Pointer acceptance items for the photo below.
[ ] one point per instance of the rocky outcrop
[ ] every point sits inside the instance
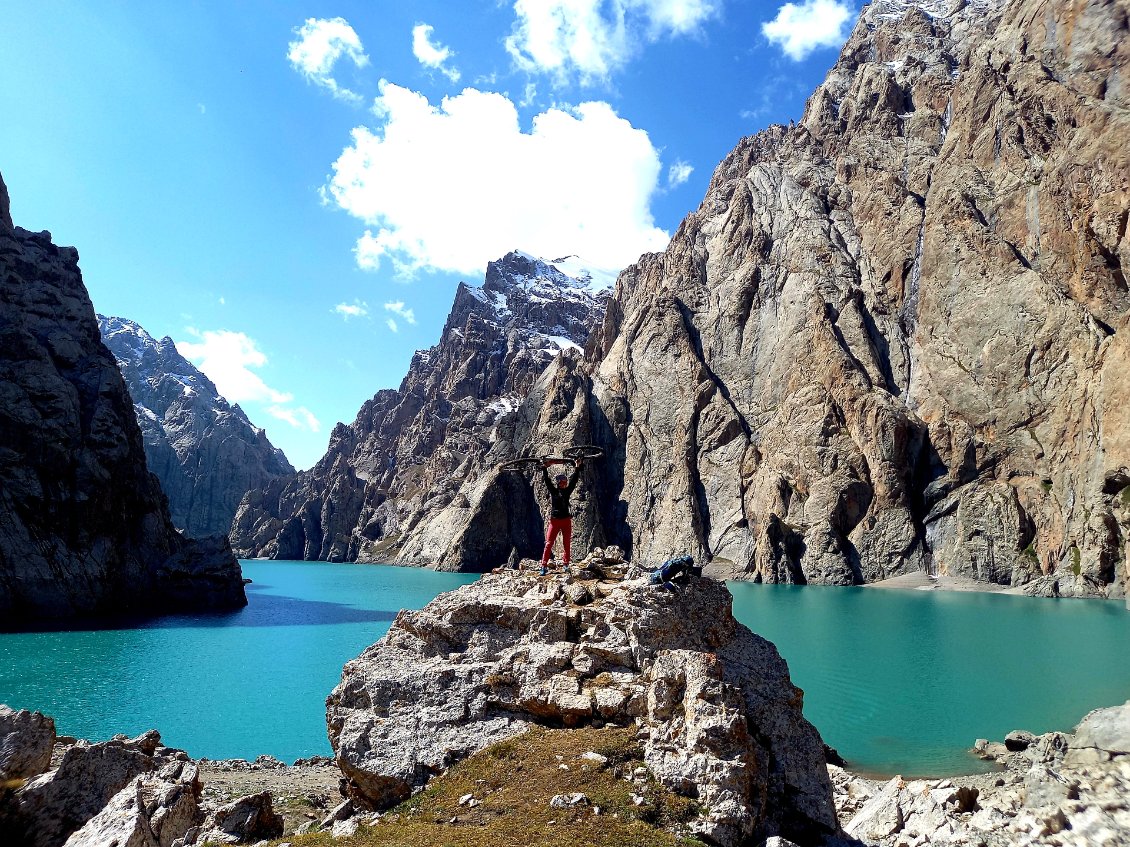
(398, 483)
(135, 790)
(894, 335)
(1055, 789)
(126, 792)
(718, 718)
(205, 451)
(84, 526)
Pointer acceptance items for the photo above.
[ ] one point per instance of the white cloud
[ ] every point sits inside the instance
(228, 358)
(579, 182)
(592, 38)
(356, 309)
(679, 173)
(392, 325)
(800, 29)
(430, 54)
(298, 417)
(318, 47)
(397, 308)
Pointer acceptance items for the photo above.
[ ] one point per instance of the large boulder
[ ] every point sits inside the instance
(717, 714)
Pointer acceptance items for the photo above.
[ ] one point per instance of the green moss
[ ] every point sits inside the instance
(1029, 552)
(1046, 484)
(1076, 561)
(1124, 496)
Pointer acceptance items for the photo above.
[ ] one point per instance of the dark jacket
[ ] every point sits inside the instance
(559, 497)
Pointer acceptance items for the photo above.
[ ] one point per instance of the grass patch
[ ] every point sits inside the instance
(514, 782)
(1076, 561)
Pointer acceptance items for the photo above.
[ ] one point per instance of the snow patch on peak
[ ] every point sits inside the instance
(894, 10)
(569, 271)
(126, 332)
(595, 278)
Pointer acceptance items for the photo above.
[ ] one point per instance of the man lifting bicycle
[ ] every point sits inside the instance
(560, 518)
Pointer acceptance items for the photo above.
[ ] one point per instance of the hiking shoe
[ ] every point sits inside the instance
(544, 570)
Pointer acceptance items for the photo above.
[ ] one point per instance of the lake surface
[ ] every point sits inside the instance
(221, 686)
(905, 681)
(897, 681)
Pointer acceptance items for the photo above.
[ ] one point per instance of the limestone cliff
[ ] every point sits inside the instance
(397, 484)
(895, 335)
(84, 527)
(205, 451)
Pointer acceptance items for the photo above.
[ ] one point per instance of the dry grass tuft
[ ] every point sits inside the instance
(514, 781)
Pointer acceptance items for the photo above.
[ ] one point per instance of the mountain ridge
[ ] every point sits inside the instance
(396, 474)
(205, 451)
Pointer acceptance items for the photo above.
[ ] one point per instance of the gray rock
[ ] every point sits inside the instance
(153, 810)
(1019, 739)
(84, 526)
(1060, 790)
(50, 807)
(205, 451)
(481, 664)
(26, 741)
(342, 811)
(243, 821)
(1102, 735)
(569, 801)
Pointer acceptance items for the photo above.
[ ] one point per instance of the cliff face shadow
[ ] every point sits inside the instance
(262, 610)
(279, 610)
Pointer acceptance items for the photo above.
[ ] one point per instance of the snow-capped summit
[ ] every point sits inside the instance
(204, 450)
(399, 469)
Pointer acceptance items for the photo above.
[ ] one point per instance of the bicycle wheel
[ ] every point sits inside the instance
(584, 451)
(521, 465)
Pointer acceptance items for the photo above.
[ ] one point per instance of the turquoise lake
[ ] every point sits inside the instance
(897, 681)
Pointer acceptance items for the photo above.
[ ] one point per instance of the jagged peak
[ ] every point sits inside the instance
(117, 328)
(894, 10)
(519, 268)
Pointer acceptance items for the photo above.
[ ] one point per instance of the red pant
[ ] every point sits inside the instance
(564, 526)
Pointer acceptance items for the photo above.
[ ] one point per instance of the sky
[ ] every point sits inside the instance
(293, 190)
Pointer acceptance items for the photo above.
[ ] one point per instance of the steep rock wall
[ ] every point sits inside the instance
(84, 526)
(891, 337)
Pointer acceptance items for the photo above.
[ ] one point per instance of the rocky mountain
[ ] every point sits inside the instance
(84, 526)
(396, 484)
(205, 451)
(895, 335)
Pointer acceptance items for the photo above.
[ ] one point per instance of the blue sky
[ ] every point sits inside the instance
(293, 190)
